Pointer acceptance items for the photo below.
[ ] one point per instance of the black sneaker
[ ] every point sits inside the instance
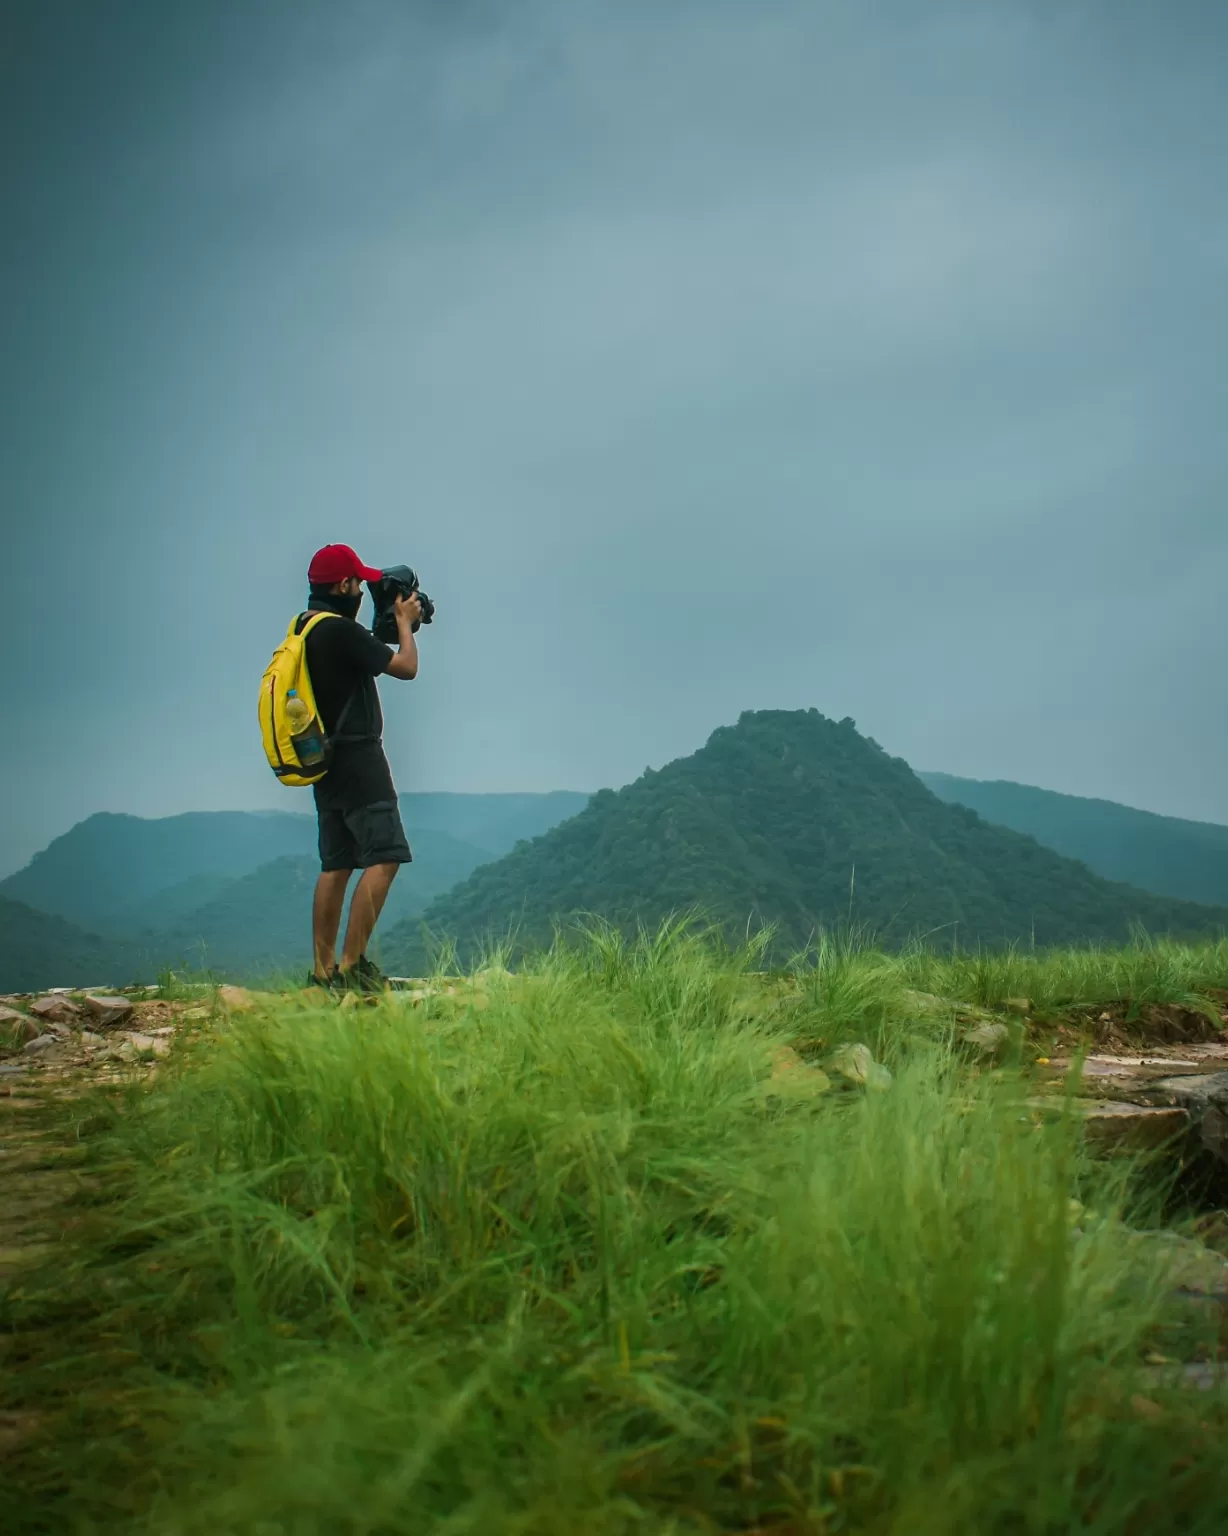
(363, 976)
(331, 984)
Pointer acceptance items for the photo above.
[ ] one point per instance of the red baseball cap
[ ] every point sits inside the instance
(336, 562)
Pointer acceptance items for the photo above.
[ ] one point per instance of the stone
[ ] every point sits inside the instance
(1136, 1127)
(237, 999)
(17, 1027)
(158, 1044)
(108, 1010)
(1205, 1099)
(55, 1008)
(989, 1038)
(793, 1078)
(856, 1064)
(1022, 1005)
(925, 1002)
(1197, 1376)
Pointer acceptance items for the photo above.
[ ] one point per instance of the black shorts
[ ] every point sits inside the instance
(356, 839)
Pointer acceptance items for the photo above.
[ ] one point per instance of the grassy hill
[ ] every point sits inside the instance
(41, 950)
(618, 1246)
(796, 820)
(1166, 854)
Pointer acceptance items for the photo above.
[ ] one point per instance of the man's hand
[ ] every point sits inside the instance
(409, 609)
(405, 663)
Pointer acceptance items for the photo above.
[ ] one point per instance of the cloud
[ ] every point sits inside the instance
(703, 356)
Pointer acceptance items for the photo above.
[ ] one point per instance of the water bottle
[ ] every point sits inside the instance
(305, 733)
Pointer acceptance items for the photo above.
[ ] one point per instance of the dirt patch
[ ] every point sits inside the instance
(1120, 1024)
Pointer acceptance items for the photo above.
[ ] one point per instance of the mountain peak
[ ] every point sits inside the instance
(774, 820)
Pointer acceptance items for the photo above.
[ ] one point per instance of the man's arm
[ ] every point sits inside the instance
(404, 663)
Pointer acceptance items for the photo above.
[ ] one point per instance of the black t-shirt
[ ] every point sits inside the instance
(344, 659)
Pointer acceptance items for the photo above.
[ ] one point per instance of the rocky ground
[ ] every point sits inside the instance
(62, 1044)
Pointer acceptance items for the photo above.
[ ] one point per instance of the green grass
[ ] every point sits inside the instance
(558, 1254)
(1142, 972)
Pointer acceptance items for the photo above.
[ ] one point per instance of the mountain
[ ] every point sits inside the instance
(261, 924)
(1165, 854)
(129, 874)
(793, 819)
(39, 950)
(110, 865)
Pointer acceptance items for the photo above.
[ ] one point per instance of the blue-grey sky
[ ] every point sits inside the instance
(702, 354)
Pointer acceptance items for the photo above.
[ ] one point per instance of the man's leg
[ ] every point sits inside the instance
(369, 896)
(326, 918)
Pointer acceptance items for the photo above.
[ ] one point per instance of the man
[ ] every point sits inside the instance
(356, 803)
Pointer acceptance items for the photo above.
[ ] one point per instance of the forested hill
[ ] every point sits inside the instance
(39, 950)
(1160, 853)
(794, 819)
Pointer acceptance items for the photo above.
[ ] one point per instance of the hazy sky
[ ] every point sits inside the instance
(702, 356)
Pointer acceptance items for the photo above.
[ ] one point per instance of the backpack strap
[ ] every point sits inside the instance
(304, 623)
(309, 619)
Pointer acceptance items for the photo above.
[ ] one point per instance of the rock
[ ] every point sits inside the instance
(158, 1044)
(17, 1027)
(237, 999)
(11, 1068)
(793, 1078)
(1205, 1099)
(1197, 1376)
(108, 1010)
(990, 1038)
(857, 1065)
(1021, 1005)
(55, 1008)
(925, 1002)
(1134, 1127)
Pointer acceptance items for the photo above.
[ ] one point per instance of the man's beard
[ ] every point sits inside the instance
(337, 602)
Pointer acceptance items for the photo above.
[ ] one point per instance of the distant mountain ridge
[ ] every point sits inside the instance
(118, 897)
(110, 863)
(791, 819)
(115, 872)
(260, 924)
(39, 950)
(226, 890)
(1166, 854)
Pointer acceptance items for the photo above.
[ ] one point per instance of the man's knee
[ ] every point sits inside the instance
(384, 872)
(331, 878)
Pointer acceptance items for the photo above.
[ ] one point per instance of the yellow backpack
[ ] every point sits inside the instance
(295, 742)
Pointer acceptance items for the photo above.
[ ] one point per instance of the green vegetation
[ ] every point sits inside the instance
(1188, 859)
(226, 890)
(126, 874)
(792, 820)
(36, 950)
(109, 865)
(261, 924)
(587, 1249)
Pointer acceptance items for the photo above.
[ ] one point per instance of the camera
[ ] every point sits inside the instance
(396, 581)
